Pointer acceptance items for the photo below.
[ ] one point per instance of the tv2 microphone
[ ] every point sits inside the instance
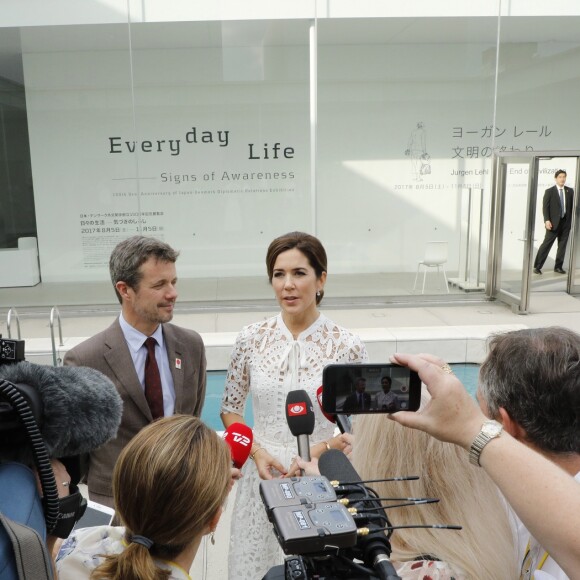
(239, 438)
(300, 418)
(342, 421)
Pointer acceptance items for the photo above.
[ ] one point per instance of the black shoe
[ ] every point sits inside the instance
(537, 271)
(559, 271)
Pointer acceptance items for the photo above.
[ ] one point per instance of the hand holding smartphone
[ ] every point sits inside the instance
(369, 388)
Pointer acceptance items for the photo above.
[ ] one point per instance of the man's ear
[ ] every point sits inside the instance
(122, 289)
(511, 425)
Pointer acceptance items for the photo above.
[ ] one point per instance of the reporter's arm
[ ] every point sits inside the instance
(545, 497)
(62, 479)
(342, 442)
(534, 486)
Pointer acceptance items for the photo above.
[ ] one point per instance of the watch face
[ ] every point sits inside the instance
(492, 428)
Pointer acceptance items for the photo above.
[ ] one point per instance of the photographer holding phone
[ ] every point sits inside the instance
(484, 548)
(269, 359)
(543, 495)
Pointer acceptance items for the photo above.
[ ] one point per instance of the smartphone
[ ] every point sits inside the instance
(96, 514)
(369, 388)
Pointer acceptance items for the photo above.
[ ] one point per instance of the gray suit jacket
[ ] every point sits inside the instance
(108, 352)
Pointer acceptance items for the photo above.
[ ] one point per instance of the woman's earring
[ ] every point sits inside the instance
(212, 538)
(318, 294)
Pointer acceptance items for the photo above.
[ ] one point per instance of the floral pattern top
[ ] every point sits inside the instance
(84, 549)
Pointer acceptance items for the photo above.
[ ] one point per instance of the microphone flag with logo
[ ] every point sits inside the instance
(300, 418)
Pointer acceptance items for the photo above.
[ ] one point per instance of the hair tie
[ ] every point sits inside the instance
(142, 540)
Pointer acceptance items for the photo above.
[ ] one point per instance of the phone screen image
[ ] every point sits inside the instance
(370, 388)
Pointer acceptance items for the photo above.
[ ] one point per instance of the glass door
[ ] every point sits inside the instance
(517, 227)
(511, 243)
(574, 243)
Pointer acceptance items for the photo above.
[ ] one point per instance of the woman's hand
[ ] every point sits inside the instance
(266, 464)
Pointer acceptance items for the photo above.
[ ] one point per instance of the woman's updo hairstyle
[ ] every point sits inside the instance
(305, 243)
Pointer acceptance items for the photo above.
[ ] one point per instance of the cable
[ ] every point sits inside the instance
(41, 459)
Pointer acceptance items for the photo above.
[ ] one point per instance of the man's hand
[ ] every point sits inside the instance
(451, 414)
(548, 225)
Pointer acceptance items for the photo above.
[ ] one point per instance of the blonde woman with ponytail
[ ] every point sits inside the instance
(169, 486)
(484, 548)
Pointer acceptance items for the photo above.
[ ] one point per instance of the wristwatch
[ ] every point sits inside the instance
(489, 430)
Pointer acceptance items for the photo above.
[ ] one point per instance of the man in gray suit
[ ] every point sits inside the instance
(157, 367)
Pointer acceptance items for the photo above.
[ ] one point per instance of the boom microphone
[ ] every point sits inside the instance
(80, 408)
(300, 417)
(239, 438)
(342, 421)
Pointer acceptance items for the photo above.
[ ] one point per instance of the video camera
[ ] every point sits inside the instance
(21, 414)
(53, 412)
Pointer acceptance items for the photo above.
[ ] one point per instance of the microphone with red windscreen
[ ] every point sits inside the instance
(300, 417)
(339, 419)
(239, 438)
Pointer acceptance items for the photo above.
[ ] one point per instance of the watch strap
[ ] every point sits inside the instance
(480, 441)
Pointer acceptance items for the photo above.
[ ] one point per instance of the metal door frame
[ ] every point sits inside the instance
(520, 304)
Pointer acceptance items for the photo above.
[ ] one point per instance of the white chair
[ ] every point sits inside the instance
(435, 256)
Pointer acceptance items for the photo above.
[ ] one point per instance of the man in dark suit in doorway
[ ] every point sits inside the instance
(557, 208)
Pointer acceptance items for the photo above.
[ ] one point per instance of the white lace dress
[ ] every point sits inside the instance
(267, 363)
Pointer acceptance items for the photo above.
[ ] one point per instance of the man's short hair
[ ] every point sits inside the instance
(130, 254)
(559, 172)
(534, 374)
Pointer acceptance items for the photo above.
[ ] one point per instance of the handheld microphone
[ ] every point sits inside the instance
(300, 417)
(342, 421)
(80, 408)
(239, 438)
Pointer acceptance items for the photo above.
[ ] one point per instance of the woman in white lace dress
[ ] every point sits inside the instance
(271, 358)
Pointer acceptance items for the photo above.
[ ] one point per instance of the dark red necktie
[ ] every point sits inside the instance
(153, 390)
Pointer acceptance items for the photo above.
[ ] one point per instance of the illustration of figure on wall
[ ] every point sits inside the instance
(417, 151)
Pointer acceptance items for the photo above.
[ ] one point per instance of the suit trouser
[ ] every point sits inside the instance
(561, 234)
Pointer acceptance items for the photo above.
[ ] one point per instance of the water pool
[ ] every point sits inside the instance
(466, 372)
